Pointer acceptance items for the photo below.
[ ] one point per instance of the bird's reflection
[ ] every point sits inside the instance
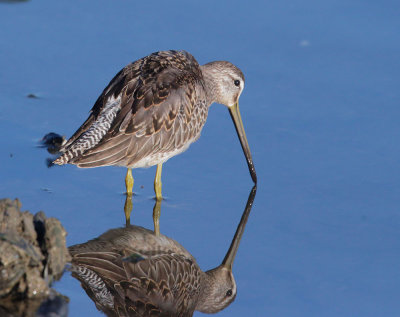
(128, 208)
(132, 271)
(156, 213)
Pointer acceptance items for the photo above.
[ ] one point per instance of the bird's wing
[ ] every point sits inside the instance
(149, 98)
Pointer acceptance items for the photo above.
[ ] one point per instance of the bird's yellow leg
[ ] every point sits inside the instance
(157, 182)
(129, 181)
(128, 208)
(128, 200)
(156, 217)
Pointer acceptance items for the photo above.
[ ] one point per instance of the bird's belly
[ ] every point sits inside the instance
(159, 157)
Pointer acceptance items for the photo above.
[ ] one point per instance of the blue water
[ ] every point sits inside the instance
(321, 113)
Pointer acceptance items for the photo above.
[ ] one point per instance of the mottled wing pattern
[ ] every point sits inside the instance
(166, 284)
(159, 111)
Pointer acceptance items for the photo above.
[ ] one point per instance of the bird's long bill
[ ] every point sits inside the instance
(237, 120)
(230, 255)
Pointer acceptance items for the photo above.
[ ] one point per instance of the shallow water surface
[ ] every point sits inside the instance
(320, 109)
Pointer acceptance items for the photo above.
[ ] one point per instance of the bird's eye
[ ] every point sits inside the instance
(237, 82)
(229, 293)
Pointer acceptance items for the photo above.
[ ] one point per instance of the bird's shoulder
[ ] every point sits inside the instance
(157, 90)
(150, 80)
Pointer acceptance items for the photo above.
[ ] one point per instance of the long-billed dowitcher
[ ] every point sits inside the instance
(133, 272)
(152, 110)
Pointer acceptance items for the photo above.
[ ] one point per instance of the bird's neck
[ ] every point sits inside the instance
(209, 76)
(203, 302)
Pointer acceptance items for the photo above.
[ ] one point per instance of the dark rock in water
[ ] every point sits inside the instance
(33, 96)
(52, 142)
(33, 252)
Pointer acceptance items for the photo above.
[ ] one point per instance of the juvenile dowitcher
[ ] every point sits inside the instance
(152, 110)
(133, 272)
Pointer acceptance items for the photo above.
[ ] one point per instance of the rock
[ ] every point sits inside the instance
(52, 142)
(33, 252)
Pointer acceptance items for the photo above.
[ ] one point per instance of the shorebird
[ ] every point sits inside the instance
(133, 272)
(152, 110)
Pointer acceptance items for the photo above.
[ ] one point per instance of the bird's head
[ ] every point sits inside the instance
(227, 82)
(221, 290)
